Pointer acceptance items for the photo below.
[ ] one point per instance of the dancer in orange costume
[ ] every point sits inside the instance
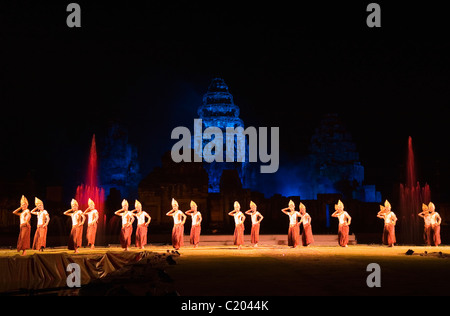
(179, 218)
(435, 220)
(344, 223)
(40, 236)
(196, 224)
(92, 215)
(76, 234)
(256, 220)
(425, 214)
(239, 228)
(23, 242)
(307, 235)
(127, 225)
(294, 225)
(390, 219)
(142, 225)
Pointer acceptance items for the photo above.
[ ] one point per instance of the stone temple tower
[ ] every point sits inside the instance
(218, 110)
(334, 165)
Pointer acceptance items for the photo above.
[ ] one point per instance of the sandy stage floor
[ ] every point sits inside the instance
(283, 271)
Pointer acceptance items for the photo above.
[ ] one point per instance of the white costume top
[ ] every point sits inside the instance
(91, 216)
(141, 218)
(195, 218)
(306, 219)
(237, 219)
(293, 218)
(177, 218)
(342, 217)
(433, 219)
(427, 219)
(255, 217)
(41, 216)
(76, 217)
(23, 215)
(389, 218)
(125, 217)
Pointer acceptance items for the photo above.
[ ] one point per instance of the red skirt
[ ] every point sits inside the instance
(427, 237)
(255, 234)
(195, 234)
(343, 235)
(294, 236)
(141, 235)
(389, 235)
(90, 233)
(23, 243)
(125, 236)
(239, 234)
(76, 235)
(177, 236)
(307, 236)
(436, 234)
(40, 238)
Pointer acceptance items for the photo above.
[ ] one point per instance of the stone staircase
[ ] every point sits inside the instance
(267, 240)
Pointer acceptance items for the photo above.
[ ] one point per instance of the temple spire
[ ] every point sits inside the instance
(219, 110)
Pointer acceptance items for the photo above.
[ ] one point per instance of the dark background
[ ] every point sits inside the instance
(287, 64)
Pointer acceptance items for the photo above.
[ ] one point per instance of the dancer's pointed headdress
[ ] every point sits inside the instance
(23, 200)
(291, 203)
(74, 203)
(193, 204)
(236, 204)
(91, 203)
(339, 205)
(425, 207)
(387, 205)
(174, 202)
(38, 202)
(302, 207)
(137, 204)
(252, 204)
(431, 207)
(124, 203)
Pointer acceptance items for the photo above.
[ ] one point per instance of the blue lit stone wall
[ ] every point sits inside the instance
(334, 163)
(118, 163)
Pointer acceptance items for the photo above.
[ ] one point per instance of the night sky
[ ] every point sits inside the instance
(148, 66)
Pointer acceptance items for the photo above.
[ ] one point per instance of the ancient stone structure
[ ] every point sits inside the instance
(184, 181)
(219, 110)
(118, 163)
(334, 165)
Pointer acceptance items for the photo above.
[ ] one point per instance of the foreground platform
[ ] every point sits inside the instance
(44, 272)
(316, 270)
(275, 270)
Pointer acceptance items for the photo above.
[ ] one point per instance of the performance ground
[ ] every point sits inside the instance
(283, 271)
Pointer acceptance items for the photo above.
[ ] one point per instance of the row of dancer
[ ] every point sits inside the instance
(432, 221)
(431, 235)
(431, 218)
(179, 219)
(128, 217)
(43, 219)
(78, 219)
